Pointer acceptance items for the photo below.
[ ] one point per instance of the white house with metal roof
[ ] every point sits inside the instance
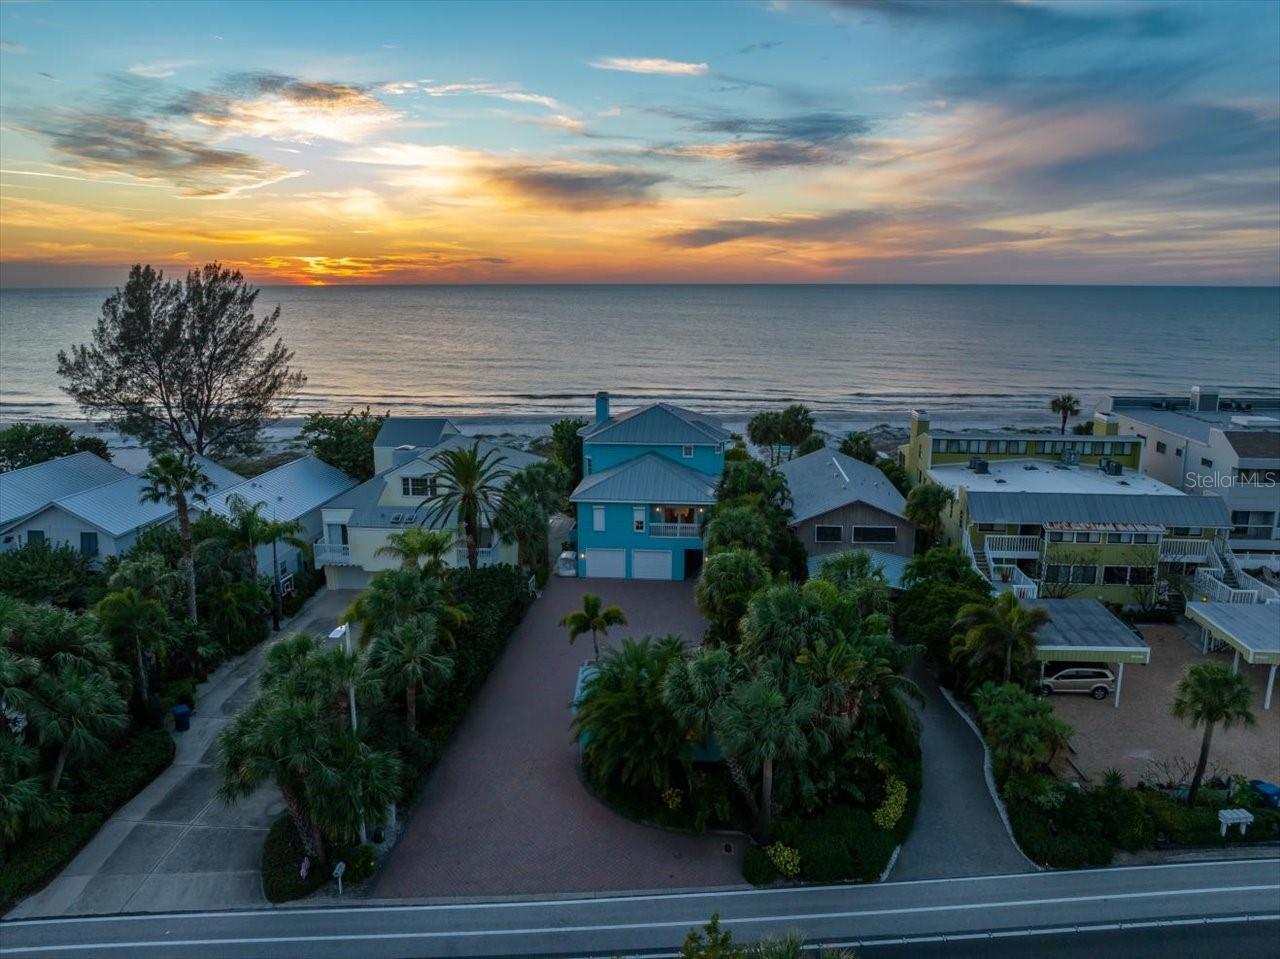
(293, 492)
(839, 504)
(84, 502)
(357, 524)
(403, 438)
(650, 476)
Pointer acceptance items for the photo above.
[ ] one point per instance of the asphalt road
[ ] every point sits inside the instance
(1145, 910)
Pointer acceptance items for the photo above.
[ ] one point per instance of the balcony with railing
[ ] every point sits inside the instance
(332, 554)
(1179, 549)
(1010, 579)
(675, 530)
(1019, 547)
(485, 556)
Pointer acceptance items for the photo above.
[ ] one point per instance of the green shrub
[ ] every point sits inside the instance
(40, 572)
(785, 859)
(842, 843)
(109, 785)
(360, 861)
(282, 856)
(758, 868)
(1050, 845)
(39, 856)
(178, 691)
(1182, 825)
(890, 811)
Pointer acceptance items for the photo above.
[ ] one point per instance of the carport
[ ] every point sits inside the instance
(1252, 630)
(1085, 631)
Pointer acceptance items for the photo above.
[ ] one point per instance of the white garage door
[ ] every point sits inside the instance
(651, 564)
(607, 563)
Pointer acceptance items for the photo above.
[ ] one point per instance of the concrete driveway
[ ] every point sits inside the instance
(504, 812)
(175, 846)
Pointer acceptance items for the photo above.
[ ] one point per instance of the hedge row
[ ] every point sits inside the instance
(38, 856)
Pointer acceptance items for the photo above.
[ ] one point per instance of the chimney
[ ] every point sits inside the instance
(1105, 425)
(602, 406)
(1204, 399)
(919, 423)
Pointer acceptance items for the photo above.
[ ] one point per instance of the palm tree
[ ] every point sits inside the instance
(232, 610)
(24, 802)
(631, 737)
(739, 527)
(781, 621)
(594, 618)
(470, 492)
(523, 519)
(396, 595)
(408, 659)
(354, 785)
(129, 617)
(1209, 695)
(728, 581)
(858, 446)
(546, 483)
(178, 479)
(991, 632)
(80, 707)
(419, 548)
(925, 504)
(762, 726)
(765, 431)
(795, 424)
(1066, 406)
(153, 576)
(250, 528)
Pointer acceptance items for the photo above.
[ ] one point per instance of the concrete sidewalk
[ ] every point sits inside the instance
(175, 846)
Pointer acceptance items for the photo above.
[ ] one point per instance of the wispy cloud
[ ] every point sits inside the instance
(658, 65)
(8, 46)
(160, 69)
(801, 139)
(575, 187)
(838, 224)
(511, 92)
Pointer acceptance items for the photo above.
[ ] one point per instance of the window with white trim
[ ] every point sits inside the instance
(875, 534)
(828, 534)
(597, 519)
(417, 485)
(687, 452)
(638, 519)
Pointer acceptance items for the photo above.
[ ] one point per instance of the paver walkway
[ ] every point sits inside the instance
(958, 831)
(504, 811)
(175, 845)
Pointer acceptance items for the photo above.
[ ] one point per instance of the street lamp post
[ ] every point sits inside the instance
(343, 632)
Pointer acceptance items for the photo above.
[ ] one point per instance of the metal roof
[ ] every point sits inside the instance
(892, 565)
(826, 479)
(290, 491)
(219, 476)
(651, 478)
(1081, 628)
(1039, 508)
(116, 508)
(1252, 628)
(1255, 444)
(419, 431)
(656, 424)
(26, 491)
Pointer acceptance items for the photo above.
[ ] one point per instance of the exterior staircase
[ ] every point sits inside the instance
(981, 562)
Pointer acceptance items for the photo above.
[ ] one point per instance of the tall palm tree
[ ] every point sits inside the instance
(924, 507)
(176, 478)
(795, 425)
(1065, 405)
(409, 659)
(594, 618)
(728, 581)
(991, 632)
(355, 784)
(546, 483)
(470, 492)
(765, 431)
(523, 519)
(762, 726)
(251, 528)
(1210, 695)
(396, 595)
(130, 618)
(738, 527)
(419, 548)
(81, 707)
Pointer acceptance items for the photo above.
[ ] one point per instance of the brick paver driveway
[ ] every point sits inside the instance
(504, 812)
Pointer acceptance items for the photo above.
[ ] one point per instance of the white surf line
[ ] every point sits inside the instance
(635, 926)
(604, 900)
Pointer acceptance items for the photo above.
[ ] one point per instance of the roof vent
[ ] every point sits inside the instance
(979, 465)
(1000, 481)
(406, 446)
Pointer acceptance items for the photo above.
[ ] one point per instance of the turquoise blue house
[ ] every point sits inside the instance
(649, 481)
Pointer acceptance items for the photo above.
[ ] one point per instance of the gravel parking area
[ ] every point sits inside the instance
(504, 812)
(1142, 730)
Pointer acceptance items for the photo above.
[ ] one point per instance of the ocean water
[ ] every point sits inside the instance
(855, 354)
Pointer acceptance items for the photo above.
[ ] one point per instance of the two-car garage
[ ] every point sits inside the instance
(645, 563)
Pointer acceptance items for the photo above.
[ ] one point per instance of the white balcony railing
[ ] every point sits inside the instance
(1248, 560)
(1018, 583)
(1183, 550)
(1211, 589)
(1026, 547)
(485, 556)
(332, 554)
(672, 530)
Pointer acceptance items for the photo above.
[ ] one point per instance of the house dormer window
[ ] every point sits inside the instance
(417, 485)
(687, 452)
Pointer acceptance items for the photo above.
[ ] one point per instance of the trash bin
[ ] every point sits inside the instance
(181, 718)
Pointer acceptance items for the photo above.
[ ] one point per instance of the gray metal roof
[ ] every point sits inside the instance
(1181, 510)
(419, 431)
(1085, 626)
(30, 489)
(289, 491)
(826, 479)
(219, 476)
(1253, 628)
(363, 500)
(893, 566)
(651, 478)
(116, 508)
(656, 424)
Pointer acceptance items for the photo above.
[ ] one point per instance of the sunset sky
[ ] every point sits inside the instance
(906, 142)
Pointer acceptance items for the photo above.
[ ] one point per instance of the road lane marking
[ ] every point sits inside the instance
(1049, 876)
(635, 926)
